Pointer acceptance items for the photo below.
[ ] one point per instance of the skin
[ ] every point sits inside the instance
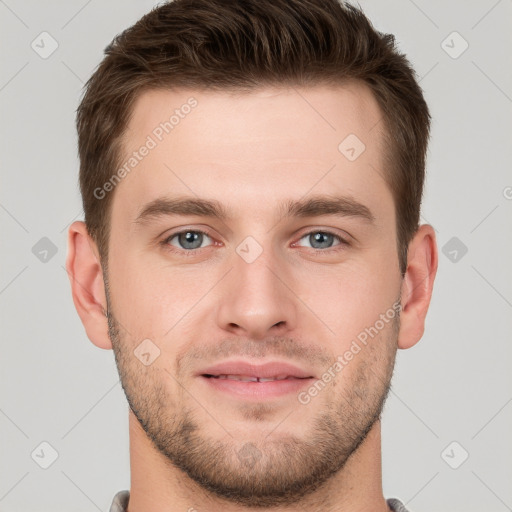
(190, 443)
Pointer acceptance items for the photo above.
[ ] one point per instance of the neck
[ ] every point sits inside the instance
(158, 486)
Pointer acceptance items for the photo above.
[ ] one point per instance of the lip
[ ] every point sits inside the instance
(267, 370)
(296, 379)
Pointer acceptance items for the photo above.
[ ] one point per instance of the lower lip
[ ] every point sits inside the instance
(257, 390)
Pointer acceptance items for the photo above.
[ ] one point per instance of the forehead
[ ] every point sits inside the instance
(260, 115)
(252, 149)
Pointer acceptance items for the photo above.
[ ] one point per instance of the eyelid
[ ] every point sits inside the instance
(343, 241)
(166, 240)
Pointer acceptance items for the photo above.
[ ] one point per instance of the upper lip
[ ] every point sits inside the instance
(267, 370)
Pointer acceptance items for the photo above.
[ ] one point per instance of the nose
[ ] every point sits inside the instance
(256, 299)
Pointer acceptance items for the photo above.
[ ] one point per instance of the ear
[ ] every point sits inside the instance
(417, 285)
(87, 285)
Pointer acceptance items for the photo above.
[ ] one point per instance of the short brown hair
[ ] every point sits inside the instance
(243, 45)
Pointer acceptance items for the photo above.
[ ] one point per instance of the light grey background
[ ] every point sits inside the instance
(455, 385)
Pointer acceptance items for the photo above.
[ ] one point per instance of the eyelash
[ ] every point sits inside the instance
(192, 252)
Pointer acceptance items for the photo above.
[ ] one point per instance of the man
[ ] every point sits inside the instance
(251, 174)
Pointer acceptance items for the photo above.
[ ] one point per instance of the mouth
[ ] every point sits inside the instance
(252, 378)
(248, 381)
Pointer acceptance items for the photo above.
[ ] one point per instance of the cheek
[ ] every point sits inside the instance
(140, 296)
(155, 300)
(351, 298)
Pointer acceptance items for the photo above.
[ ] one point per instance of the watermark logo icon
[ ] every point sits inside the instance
(146, 352)
(249, 249)
(455, 455)
(44, 455)
(351, 147)
(44, 250)
(44, 45)
(249, 455)
(454, 249)
(454, 45)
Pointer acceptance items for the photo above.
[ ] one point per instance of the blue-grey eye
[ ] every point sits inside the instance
(188, 239)
(322, 239)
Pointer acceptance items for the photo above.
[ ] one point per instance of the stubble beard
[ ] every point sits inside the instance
(280, 469)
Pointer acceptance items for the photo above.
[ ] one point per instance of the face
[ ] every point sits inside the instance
(270, 330)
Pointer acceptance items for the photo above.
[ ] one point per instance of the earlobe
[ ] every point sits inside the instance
(417, 286)
(87, 286)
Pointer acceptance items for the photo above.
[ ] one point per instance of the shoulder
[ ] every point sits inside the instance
(120, 501)
(396, 505)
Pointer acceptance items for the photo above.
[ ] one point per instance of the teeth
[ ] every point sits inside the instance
(248, 378)
(243, 378)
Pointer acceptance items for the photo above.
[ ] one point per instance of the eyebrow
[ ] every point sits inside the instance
(314, 206)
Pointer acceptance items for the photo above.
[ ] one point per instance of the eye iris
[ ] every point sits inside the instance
(190, 237)
(321, 238)
(194, 239)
